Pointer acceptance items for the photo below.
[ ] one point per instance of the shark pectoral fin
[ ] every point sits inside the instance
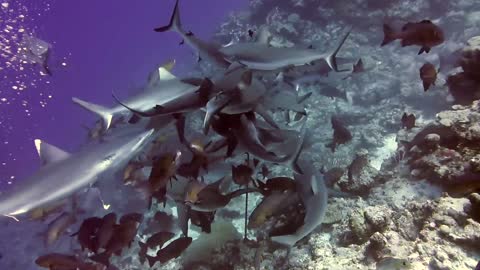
(153, 112)
(49, 153)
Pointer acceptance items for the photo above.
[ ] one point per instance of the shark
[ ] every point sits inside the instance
(314, 195)
(259, 56)
(62, 174)
(204, 50)
(162, 89)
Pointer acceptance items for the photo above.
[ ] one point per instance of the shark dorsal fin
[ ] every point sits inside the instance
(49, 153)
(165, 75)
(264, 36)
(162, 73)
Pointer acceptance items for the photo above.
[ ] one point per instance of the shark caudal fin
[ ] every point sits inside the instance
(103, 112)
(332, 57)
(174, 24)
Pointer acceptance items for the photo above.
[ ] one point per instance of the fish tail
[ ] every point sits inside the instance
(174, 24)
(426, 85)
(388, 34)
(332, 58)
(151, 260)
(103, 112)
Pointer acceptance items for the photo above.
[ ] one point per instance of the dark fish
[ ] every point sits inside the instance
(87, 233)
(333, 175)
(202, 219)
(163, 169)
(357, 165)
(156, 240)
(210, 198)
(250, 32)
(265, 171)
(172, 251)
(106, 230)
(59, 261)
(424, 34)
(136, 217)
(242, 174)
(341, 134)
(408, 121)
(428, 74)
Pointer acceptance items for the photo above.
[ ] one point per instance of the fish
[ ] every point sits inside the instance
(167, 90)
(242, 174)
(428, 74)
(106, 231)
(247, 135)
(331, 91)
(131, 172)
(270, 204)
(202, 219)
(238, 92)
(356, 166)
(314, 195)
(259, 56)
(408, 121)
(171, 251)
(58, 226)
(163, 170)
(391, 263)
(156, 240)
(424, 34)
(87, 233)
(210, 198)
(187, 98)
(204, 50)
(42, 213)
(333, 175)
(341, 134)
(63, 262)
(63, 174)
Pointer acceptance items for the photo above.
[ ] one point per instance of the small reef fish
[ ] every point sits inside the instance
(391, 263)
(172, 251)
(428, 74)
(408, 121)
(341, 134)
(424, 34)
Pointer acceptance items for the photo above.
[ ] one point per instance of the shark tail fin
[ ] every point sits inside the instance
(286, 240)
(103, 112)
(174, 24)
(332, 57)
